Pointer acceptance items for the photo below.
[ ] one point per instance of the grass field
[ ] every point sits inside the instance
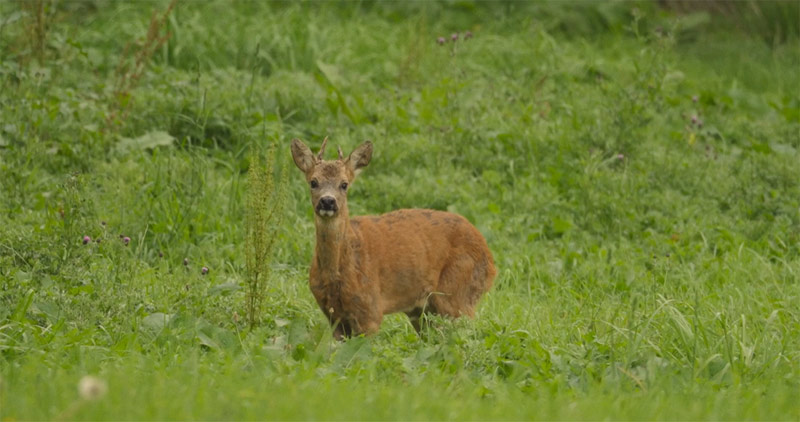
(635, 171)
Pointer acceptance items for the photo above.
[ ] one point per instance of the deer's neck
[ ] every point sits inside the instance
(332, 250)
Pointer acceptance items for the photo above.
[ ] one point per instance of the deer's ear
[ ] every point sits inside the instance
(360, 157)
(303, 157)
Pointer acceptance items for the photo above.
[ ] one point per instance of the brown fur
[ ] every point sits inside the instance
(410, 260)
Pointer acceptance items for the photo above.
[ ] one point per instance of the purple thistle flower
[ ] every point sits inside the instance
(620, 157)
(454, 37)
(440, 40)
(86, 239)
(204, 270)
(468, 35)
(694, 118)
(126, 240)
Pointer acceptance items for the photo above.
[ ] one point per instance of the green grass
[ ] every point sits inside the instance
(649, 267)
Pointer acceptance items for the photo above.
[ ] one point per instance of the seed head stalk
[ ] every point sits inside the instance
(264, 214)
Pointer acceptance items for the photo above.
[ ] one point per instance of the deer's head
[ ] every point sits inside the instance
(330, 180)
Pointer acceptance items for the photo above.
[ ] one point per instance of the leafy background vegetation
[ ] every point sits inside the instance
(634, 167)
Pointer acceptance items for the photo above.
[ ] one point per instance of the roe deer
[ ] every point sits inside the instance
(410, 260)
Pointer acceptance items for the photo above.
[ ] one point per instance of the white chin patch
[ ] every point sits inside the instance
(326, 213)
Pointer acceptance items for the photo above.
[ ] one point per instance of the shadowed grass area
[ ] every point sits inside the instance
(635, 173)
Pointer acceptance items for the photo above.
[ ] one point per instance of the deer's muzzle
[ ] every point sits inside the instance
(327, 206)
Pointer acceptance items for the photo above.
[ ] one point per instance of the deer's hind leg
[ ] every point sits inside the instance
(461, 284)
(416, 316)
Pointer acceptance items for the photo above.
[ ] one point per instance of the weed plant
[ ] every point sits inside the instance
(633, 168)
(265, 200)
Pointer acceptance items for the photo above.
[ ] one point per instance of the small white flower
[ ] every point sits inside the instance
(92, 388)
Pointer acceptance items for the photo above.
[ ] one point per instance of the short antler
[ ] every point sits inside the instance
(322, 149)
(338, 148)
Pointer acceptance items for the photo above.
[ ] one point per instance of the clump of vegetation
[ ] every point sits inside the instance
(37, 27)
(133, 63)
(263, 218)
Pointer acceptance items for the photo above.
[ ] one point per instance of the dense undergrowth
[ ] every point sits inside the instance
(635, 171)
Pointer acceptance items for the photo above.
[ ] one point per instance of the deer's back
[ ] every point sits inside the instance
(414, 231)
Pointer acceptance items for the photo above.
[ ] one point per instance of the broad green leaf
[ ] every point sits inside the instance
(224, 289)
(149, 140)
(156, 321)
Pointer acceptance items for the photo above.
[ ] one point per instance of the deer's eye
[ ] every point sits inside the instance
(344, 186)
(314, 184)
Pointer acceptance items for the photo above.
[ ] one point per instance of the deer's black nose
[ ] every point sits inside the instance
(327, 203)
